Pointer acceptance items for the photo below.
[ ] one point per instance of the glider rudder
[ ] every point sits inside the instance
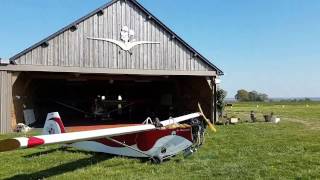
(53, 124)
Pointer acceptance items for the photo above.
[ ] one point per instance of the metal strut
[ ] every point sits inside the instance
(137, 150)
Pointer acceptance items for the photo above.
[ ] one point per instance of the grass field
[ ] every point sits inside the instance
(289, 150)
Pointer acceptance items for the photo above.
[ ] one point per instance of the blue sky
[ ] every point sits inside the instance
(272, 46)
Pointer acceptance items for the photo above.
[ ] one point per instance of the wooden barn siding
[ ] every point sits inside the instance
(73, 49)
(5, 101)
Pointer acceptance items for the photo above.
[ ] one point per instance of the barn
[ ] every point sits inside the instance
(117, 64)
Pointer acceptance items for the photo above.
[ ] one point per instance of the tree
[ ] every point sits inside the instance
(264, 97)
(242, 95)
(221, 95)
(254, 96)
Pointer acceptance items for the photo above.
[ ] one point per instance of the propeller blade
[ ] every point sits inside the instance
(211, 126)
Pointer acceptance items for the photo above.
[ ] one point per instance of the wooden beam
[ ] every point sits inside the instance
(82, 70)
(103, 77)
(214, 103)
(15, 76)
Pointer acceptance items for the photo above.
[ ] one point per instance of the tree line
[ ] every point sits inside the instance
(244, 95)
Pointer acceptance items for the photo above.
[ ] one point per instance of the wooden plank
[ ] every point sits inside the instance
(162, 40)
(61, 54)
(38, 55)
(178, 56)
(56, 51)
(86, 43)
(165, 50)
(9, 103)
(28, 58)
(100, 43)
(95, 57)
(174, 54)
(66, 47)
(121, 22)
(32, 57)
(149, 51)
(71, 40)
(110, 31)
(134, 23)
(5, 101)
(131, 58)
(50, 53)
(169, 56)
(184, 58)
(76, 46)
(117, 21)
(22, 59)
(91, 42)
(128, 21)
(152, 49)
(44, 55)
(141, 29)
(84, 70)
(104, 34)
(188, 62)
(80, 60)
(112, 49)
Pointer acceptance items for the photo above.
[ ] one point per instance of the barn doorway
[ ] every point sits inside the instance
(83, 99)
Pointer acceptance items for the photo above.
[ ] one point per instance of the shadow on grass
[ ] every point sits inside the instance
(41, 153)
(64, 149)
(64, 168)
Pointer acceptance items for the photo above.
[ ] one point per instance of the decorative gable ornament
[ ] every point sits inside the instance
(127, 42)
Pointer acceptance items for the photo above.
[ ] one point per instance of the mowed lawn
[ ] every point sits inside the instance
(288, 150)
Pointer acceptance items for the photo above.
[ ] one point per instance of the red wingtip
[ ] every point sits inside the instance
(33, 142)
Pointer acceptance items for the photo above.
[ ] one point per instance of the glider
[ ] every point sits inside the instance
(153, 139)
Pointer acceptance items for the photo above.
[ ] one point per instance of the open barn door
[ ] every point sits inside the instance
(95, 99)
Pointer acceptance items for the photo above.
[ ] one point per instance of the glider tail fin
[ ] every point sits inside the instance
(53, 124)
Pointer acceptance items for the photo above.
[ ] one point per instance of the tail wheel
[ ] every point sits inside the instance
(156, 160)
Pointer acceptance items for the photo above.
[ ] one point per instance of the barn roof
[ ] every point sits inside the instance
(150, 16)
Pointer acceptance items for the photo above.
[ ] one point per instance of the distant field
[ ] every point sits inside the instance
(307, 113)
(289, 150)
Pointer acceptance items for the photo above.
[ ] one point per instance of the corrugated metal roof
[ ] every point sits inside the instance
(220, 72)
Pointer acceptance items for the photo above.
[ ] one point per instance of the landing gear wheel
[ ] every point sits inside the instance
(156, 160)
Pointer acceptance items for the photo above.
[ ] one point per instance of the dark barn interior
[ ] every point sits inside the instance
(84, 99)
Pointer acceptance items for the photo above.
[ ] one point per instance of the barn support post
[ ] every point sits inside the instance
(14, 122)
(214, 103)
(5, 101)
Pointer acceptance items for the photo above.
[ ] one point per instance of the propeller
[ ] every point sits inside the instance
(211, 126)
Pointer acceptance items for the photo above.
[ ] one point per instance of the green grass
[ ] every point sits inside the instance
(289, 150)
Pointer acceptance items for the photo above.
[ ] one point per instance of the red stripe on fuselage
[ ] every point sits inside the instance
(146, 140)
(129, 139)
(33, 142)
(58, 120)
